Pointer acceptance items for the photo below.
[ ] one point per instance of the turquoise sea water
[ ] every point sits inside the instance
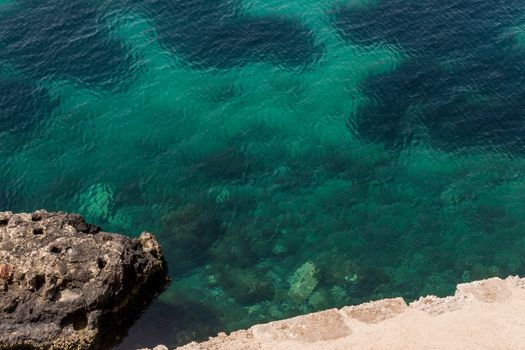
(290, 155)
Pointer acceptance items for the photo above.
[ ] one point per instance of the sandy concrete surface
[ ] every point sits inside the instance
(488, 314)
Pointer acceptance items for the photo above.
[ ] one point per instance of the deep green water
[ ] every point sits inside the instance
(290, 155)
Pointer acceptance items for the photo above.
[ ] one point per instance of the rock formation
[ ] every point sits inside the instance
(64, 284)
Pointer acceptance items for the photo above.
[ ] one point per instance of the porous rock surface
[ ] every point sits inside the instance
(487, 314)
(64, 284)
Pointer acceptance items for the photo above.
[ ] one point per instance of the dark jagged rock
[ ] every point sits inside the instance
(64, 284)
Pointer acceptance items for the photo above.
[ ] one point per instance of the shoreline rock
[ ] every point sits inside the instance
(65, 284)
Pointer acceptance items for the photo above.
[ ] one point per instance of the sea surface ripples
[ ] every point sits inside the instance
(291, 156)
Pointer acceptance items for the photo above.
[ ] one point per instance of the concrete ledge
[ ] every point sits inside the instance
(488, 314)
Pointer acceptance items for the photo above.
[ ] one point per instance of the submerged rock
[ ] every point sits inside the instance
(247, 286)
(64, 284)
(97, 201)
(191, 230)
(303, 282)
